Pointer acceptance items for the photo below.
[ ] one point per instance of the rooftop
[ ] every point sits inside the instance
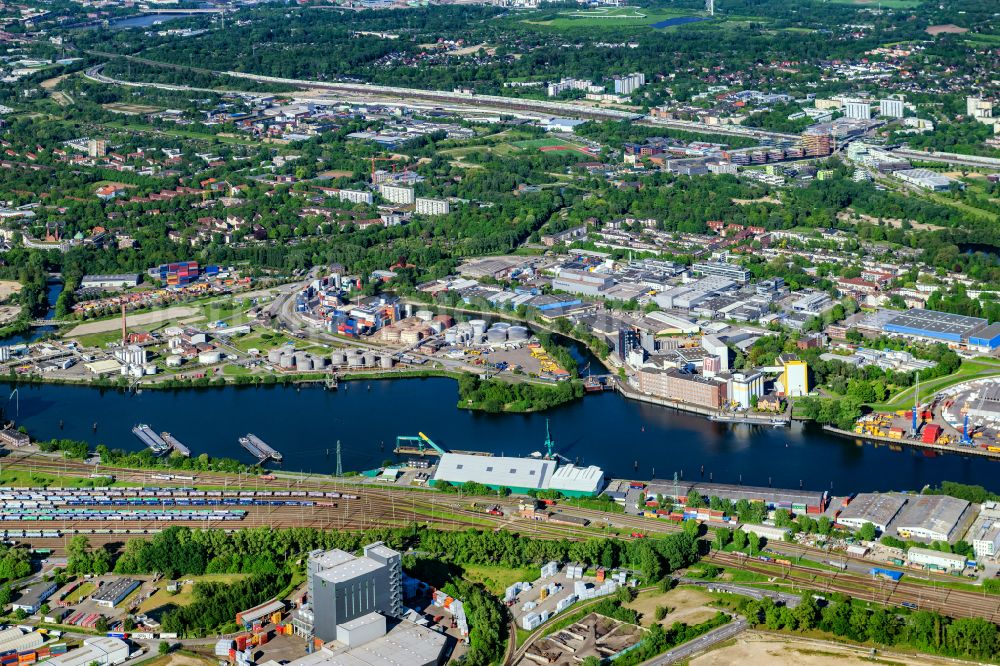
(349, 570)
(498, 471)
(932, 513)
(875, 508)
(943, 323)
(404, 643)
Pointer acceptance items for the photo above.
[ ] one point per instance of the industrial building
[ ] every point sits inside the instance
(367, 641)
(33, 597)
(925, 179)
(722, 269)
(794, 375)
(952, 329)
(875, 508)
(342, 588)
(581, 282)
(934, 518)
(520, 475)
(799, 501)
(935, 559)
(680, 386)
(109, 281)
(744, 388)
(114, 592)
(984, 535)
(103, 651)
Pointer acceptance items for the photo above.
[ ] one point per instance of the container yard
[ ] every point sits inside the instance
(259, 448)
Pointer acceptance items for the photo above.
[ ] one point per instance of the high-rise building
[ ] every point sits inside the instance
(979, 108)
(626, 85)
(97, 148)
(857, 109)
(891, 108)
(341, 587)
(794, 376)
(816, 144)
(355, 196)
(396, 194)
(432, 206)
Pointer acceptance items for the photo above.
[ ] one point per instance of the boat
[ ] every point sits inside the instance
(174, 444)
(735, 418)
(593, 385)
(259, 448)
(150, 439)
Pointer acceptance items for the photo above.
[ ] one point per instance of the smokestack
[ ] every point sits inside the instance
(123, 325)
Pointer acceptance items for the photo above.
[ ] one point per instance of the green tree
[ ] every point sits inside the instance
(868, 532)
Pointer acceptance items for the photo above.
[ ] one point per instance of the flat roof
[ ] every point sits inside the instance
(330, 558)
(933, 513)
(115, 590)
(93, 649)
(932, 554)
(496, 471)
(934, 322)
(875, 508)
(735, 492)
(359, 566)
(404, 643)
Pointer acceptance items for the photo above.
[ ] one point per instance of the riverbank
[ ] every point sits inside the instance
(914, 443)
(712, 414)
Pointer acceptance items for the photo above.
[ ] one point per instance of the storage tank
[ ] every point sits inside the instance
(501, 324)
(304, 363)
(386, 362)
(391, 334)
(425, 315)
(517, 333)
(175, 361)
(149, 369)
(366, 359)
(338, 358)
(450, 336)
(495, 335)
(436, 326)
(355, 360)
(320, 362)
(287, 361)
(136, 371)
(274, 356)
(209, 357)
(410, 336)
(478, 326)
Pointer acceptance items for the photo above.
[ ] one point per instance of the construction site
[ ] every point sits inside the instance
(592, 636)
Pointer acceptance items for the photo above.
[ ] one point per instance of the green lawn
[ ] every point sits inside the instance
(969, 370)
(607, 17)
(186, 594)
(80, 593)
(498, 579)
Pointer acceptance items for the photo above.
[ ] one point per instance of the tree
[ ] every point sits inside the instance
(164, 647)
(660, 613)
(806, 613)
(754, 542)
(722, 536)
(102, 624)
(868, 532)
(739, 539)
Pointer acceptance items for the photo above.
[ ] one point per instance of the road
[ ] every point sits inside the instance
(689, 649)
(948, 158)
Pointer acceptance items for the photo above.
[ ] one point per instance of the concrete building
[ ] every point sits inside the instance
(717, 348)
(370, 642)
(674, 384)
(857, 109)
(952, 329)
(722, 269)
(581, 282)
(876, 508)
(114, 592)
(986, 541)
(97, 148)
(432, 206)
(110, 281)
(891, 108)
(520, 475)
(935, 559)
(131, 355)
(342, 588)
(396, 194)
(934, 518)
(925, 179)
(32, 598)
(978, 108)
(356, 196)
(626, 85)
(743, 388)
(103, 651)
(794, 375)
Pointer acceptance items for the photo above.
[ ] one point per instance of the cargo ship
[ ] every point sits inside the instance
(172, 442)
(150, 439)
(259, 448)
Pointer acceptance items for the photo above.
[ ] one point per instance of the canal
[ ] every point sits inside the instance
(604, 429)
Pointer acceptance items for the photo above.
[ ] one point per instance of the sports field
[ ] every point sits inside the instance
(605, 17)
(550, 145)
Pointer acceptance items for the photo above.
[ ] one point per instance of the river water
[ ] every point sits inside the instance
(604, 429)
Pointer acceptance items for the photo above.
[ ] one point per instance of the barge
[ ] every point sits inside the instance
(259, 448)
(150, 439)
(173, 443)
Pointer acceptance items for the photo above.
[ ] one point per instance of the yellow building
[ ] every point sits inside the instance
(794, 376)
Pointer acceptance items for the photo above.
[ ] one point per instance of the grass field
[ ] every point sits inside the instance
(890, 4)
(498, 579)
(607, 17)
(185, 596)
(80, 593)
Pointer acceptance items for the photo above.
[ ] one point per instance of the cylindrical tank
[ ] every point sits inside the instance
(496, 335)
(209, 357)
(136, 370)
(408, 309)
(450, 336)
(386, 362)
(149, 369)
(366, 359)
(478, 326)
(390, 334)
(425, 315)
(338, 358)
(436, 326)
(274, 356)
(501, 325)
(175, 361)
(517, 333)
(410, 336)
(320, 362)
(287, 361)
(354, 360)
(304, 363)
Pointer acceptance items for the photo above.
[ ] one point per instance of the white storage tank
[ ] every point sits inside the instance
(338, 358)
(517, 333)
(149, 369)
(450, 336)
(436, 326)
(501, 325)
(304, 363)
(478, 326)
(287, 361)
(274, 356)
(175, 361)
(496, 335)
(355, 360)
(386, 362)
(320, 362)
(209, 357)
(425, 315)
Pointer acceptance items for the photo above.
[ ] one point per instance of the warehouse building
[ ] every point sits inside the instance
(582, 282)
(800, 501)
(114, 592)
(520, 475)
(367, 641)
(925, 179)
(109, 281)
(935, 559)
(15, 640)
(875, 508)
(953, 329)
(103, 651)
(33, 597)
(934, 518)
(681, 386)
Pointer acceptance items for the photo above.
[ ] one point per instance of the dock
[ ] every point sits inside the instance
(751, 420)
(150, 439)
(259, 448)
(175, 445)
(423, 446)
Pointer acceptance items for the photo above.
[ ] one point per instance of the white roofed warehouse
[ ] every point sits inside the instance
(521, 475)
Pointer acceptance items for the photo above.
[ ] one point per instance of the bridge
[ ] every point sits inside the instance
(37, 323)
(160, 10)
